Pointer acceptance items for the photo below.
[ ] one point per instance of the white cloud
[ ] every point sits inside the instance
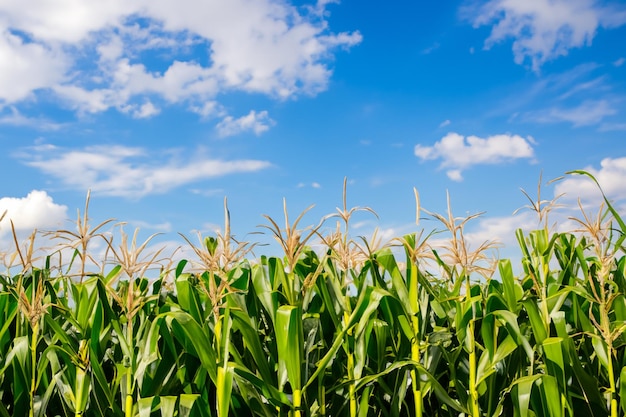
(543, 30)
(35, 211)
(455, 175)
(256, 122)
(445, 123)
(26, 66)
(431, 48)
(608, 127)
(97, 56)
(129, 172)
(500, 229)
(612, 178)
(16, 118)
(619, 62)
(145, 110)
(458, 152)
(312, 185)
(209, 108)
(589, 112)
(158, 227)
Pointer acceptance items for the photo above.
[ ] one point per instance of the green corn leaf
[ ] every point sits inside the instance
(365, 401)
(489, 335)
(512, 290)
(144, 406)
(180, 267)
(263, 290)
(275, 397)
(551, 397)
(224, 389)
(553, 351)
(622, 389)
(601, 350)
(186, 403)
(250, 333)
(188, 297)
(290, 342)
(521, 391)
(167, 405)
(536, 322)
(388, 261)
(425, 378)
(189, 333)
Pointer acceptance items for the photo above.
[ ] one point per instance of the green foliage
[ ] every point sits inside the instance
(356, 329)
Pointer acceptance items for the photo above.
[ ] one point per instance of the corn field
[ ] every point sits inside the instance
(356, 328)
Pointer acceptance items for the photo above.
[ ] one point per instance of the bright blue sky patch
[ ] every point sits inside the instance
(162, 109)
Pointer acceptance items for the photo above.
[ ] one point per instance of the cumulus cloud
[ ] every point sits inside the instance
(612, 178)
(26, 67)
(459, 152)
(123, 171)
(125, 55)
(543, 30)
(144, 111)
(255, 122)
(35, 211)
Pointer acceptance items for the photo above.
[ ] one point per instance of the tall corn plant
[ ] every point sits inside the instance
(606, 288)
(459, 264)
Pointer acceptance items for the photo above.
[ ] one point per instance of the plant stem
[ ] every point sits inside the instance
(129, 372)
(33, 367)
(415, 348)
(350, 368)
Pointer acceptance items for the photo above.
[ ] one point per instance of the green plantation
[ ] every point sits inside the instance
(356, 328)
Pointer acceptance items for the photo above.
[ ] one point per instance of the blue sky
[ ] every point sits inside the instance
(162, 109)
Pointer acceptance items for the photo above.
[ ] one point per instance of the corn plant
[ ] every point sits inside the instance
(338, 325)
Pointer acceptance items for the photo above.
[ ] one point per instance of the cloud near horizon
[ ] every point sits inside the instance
(611, 176)
(459, 152)
(122, 171)
(35, 211)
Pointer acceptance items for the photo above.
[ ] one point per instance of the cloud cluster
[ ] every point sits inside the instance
(123, 171)
(545, 29)
(35, 211)
(459, 152)
(253, 121)
(612, 178)
(136, 56)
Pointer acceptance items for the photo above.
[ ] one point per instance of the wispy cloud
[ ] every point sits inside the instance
(445, 123)
(431, 48)
(589, 112)
(459, 152)
(158, 227)
(129, 172)
(543, 30)
(15, 118)
(312, 185)
(255, 122)
(608, 127)
(619, 62)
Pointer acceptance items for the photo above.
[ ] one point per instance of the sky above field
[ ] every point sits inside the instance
(164, 108)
